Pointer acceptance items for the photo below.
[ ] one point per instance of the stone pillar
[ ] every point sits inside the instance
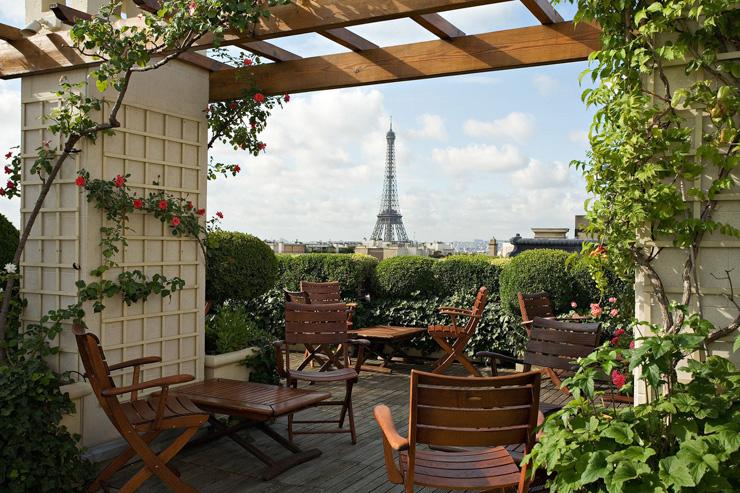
(492, 248)
(162, 144)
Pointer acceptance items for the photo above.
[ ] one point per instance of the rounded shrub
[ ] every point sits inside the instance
(240, 267)
(354, 272)
(545, 270)
(402, 277)
(467, 273)
(8, 240)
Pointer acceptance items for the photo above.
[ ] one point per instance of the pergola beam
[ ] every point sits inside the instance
(269, 51)
(523, 47)
(348, 39)
(68, 15)
(438, 25)
(543, 10)
(9, 33)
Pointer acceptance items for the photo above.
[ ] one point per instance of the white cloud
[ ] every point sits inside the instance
(431, 127)
(579, 137)
(545, 84)
(479, 158)
(538, 175)
(10, 136)
(514, 126)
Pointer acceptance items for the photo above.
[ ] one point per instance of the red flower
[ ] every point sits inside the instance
(191, 7)
(118, 181)
(286, 98)
(632, 344)
(615, 341)
(189, 205)
(220, 214)
(175, 222)
(2, 192)
(619, 332)
(253, 125)
(9, 155)
(259, 98)
(261, 146)
(233, 105)
(247, 62)
(8, 170)
(138, 204)
(201, 212)
(618, 379)
(10, 185)
(237, 168)
(80, 181)
(163, 205)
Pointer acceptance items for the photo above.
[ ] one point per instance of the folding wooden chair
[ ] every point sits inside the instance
(322, 324)
(139, 421)
(447, 411)
(458, 337)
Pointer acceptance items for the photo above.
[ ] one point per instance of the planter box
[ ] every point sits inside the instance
(229, 365)
(77, 392)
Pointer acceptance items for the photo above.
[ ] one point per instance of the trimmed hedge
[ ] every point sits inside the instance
(545, 270)
(467, 273)
(403, 277)
(240, 267)
(9, 237)
(353, 271)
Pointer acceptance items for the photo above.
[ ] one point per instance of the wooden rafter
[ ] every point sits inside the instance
(523, 47)
(269, 51)
(438, 25)
(543, 10)
(9, 33)
(68, 15)
(348, 39)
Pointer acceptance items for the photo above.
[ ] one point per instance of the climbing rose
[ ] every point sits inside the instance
(613, 312)
(163, 205)
(615, 341)
(573, 304)
(80, 181)
(612, 300)
(247, 62)
(259, 98)
(618, 379)
(138, 204)
(201, 212)
(220, 214)
(9, 155)
(10, 185)
(286, 98)
(261, 146)
(10, 268)
(253, 125)
(8, 170)
(595, 310)
(175, 222)
(619, 332)
(2, 192)
(189, 205)
(632, 344)
(118, 181)
(191, 7)
(237, 168)
(233, 105)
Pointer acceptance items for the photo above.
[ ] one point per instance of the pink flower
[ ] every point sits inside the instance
(138, 204)
(237, 168)
(9, 155)
(618, 379)
(632, 344)
(8, 170)
(247, 62)
(259, 98)
(286, 98)
(118, 181)
(220, 214)
(612, 300)
(573, 304)
(80, 181)
(175, 222)
(613, 312)
(595, 310)
(191, 7)
(163, 205)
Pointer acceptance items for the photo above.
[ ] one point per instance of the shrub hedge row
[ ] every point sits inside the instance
(8, 241)
(354, 272)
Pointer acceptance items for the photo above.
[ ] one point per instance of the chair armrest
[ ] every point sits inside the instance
(451, 310)
(390, 433)
(135, 362)
(157, 382)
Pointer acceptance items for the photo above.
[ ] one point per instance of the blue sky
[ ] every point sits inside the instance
(479, 156)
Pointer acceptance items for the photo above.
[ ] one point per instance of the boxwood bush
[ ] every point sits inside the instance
(240, 267)
(545, 270)
(353, 271)
(8, 241)
(403, 277)
(467, 273)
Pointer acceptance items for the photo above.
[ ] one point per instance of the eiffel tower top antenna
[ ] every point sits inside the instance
(389, 226)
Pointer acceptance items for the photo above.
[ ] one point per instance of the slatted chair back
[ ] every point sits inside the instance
(535, 305)
(473, 412)
(296, 296)
(557, 344)
(317, 324)
(478, 305)
(322, 292)
(96, 369)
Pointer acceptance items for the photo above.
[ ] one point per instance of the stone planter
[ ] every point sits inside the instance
(77, 392)
(229, 365)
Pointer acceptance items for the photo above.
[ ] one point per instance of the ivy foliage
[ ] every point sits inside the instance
(8, 241)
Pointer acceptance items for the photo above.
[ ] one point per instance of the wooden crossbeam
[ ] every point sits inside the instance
(9, 33)
(68, 15)
(524, 47)
(270, 51)
(438, 25)
(543, 10)
(348, 39)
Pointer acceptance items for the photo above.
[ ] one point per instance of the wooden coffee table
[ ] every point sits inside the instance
(253, 404)
(381, 336)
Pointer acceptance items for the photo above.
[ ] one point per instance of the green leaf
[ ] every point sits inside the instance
(620, 432)
(596, 467)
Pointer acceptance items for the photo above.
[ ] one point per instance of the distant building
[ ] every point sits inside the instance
(581, 223)
(554, 238)
(382, 249)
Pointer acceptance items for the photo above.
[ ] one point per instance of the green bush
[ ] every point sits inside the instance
(467, 273)
(8, 241)
(403, 277)
(240, 267)
(545, 270)
(353, 271)
(232, 328)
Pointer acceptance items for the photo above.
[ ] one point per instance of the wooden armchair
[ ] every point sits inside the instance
(315, 325)
(447, 411)
(457, 336)
(139, 421)
(534, 305)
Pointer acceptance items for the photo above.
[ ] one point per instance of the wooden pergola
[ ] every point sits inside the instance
(552, 41)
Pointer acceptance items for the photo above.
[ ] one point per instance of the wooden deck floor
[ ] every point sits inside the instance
(223, 466)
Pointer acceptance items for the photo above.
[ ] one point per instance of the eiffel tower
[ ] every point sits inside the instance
(389, 227)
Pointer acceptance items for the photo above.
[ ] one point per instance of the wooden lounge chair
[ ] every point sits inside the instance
(446, 411)
(139, 421)
(315, 325)
(457, 336)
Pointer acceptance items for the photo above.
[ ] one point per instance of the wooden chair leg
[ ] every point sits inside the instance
(351, 413)
(448, 358)
(117, 463)
(290, 427)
